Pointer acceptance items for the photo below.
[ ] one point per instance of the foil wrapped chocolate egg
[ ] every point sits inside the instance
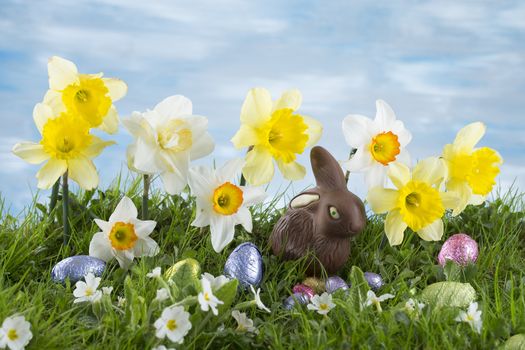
(375, 281)
(76, 267)
(334, 283)
(292, 300)
(246, 265)
(303, 289)
(460, 248)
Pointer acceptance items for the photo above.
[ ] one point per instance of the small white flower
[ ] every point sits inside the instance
(322, 304)
(156, 272)
(15, 333)
(123, 237)
(107, 290)
(121, 301)
(215, 282)
(221, 204)
(412, 307)
(244, 324)
(258, 300)
(372, 299)
(379, 143)
(173, 323)
(88, 290)
(162, 294)
(161, 347)
(206, 298)
(472, 317)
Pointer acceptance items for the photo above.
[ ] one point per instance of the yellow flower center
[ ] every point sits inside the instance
(227, 199)
(175, 135)
(206, 296)
(419, 204)
(89, 292)
(284, 135)
(12, 334)
(65, 137)
(89, 98)
(171, 325)
(385, 147)
(123, 236)
(323, 306)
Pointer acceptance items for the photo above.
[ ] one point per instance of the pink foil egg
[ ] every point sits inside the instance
(460, 248)
(303, 289)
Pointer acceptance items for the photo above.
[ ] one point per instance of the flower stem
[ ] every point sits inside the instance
(352, 152)
(65, 207)
(54, 196)
(145, 196)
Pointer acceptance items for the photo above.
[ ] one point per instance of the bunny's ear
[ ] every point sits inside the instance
(327, 171)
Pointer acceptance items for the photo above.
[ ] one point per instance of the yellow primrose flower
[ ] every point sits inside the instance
(66, 145)
(274, 131)
(416, 203)
(89, 96)
(472, 172)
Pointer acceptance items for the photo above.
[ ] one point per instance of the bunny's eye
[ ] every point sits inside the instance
(334, 213)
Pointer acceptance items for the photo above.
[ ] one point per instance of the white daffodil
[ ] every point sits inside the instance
(215, 282)
(379, 142)
(167, 138)
(244, 323)
(107, 290)
(258, 300)
(413, 307)
(472, 317)
(155, 273)
(372, 299)
(15, 333)
(206, 298)
(162, 294)
(123, 237)
(322, 304)
(220, 203)
(88, 290)
(121, 301)
(173, 323)
(89, 96)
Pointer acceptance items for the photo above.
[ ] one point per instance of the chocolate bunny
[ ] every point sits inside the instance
(321, 219)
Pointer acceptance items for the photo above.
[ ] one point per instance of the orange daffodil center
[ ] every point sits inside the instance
(123, 236)
(385, 147)
(227, 199)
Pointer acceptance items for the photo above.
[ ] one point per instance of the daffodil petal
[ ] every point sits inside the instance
(230, 170)
(252, 195)
(314, 131)
(404, 157)
(96, 147)
(174, 107)
(395, 227)
(143, 228)
(463, 191)
(291, 99)
(200, 184)
(41, 114)
(31, 152)
(116, 87)
(246, 136)
(403, 135)
(257, 107)
(61, 73)
(450, 199)
(477, 199)
(50, 172)
(100, 247)
(244, 217)
(469, 136)
(376, 176)
(201, 147)
(83, 171)
(146, 247)
(139, 127)
(222, 231)
(174, 182)
(259, 167)
(431, 170)
(124, 211)
(382, 199)
(399, 174)
(292, 171)
(385, 116)
(53, 99)
(359, 161)
(147, 158)
(356, 130)
(110, 121)
(432, 232)
(202, 219)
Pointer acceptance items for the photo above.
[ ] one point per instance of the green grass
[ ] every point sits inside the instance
(31, 244)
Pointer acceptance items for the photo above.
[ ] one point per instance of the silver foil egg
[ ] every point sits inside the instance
(76, 267)
(300, 298)
(246, 265)
(375, 281)
(334, 283)
(460, 248)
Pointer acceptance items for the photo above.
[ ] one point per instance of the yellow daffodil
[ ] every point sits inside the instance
(472, 172)
(416, 203)
(274, 131)
(88, 96)
(66, 145)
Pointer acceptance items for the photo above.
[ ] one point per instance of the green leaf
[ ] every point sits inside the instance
(358, 289)
(185, 273)
(133, 304)
(451, 294)
(226, 293)
(452, 271)
(515, 342)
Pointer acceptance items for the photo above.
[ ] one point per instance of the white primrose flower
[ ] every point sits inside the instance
(372, 299)
(221, 204)
(121, 301)
(244, 323)
(123, 237)
(88, 290)
(215, 282)
(173, 323)
(258, 300)
(15, 333)
(161, 347)
(413, 307)
(162, 294)
(167, 138)
(379, 142)
(107, 290)
(322, 304)
(472, 317)
(156, 272)
(206, 298)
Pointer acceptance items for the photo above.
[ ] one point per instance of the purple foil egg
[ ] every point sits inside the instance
(375, 281)
(76, 267)
(334, 283)
(303, 289)
(246, 265)
(292, 300)
(460, 248)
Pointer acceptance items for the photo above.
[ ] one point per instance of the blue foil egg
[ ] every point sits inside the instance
(334, 283)
(246, 265)
(375, 281)
(300, 298)
(76, 267)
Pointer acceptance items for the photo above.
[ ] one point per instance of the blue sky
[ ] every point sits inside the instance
(440, 65)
